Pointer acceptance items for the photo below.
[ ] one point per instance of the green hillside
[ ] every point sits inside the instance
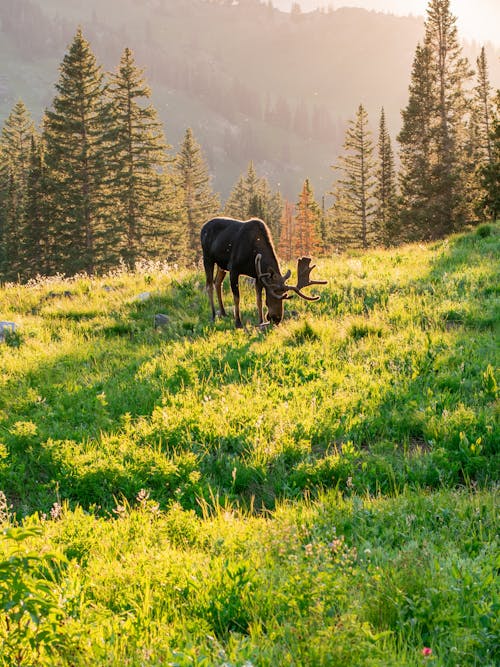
(319, 493)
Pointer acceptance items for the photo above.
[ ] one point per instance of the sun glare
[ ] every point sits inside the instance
(478, 20)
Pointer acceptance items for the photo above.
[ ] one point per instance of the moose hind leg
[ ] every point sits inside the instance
(219, 279)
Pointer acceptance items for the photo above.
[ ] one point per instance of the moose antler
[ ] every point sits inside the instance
(263, 276)
(303, 279)
(260, 274)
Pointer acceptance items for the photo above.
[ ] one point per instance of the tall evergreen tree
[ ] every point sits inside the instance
(385, 192)
(3, 194)
(237, 205)
(74, 137)
(252, 183)
(415, 140)
(252, 197)
(305, 239)
(452, 74)
(490, 172)
(287, 223)
(483, 106)
(353, 209)
(437, 198)
(270, 206)
(198, 199)
(15, 143)
(479, 147)
(137, 157)
(35, 247)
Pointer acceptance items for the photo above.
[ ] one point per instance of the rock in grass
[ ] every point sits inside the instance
(161, 320)
(6, 328)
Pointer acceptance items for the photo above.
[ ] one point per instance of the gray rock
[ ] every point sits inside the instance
(6, 328)
(161, 320)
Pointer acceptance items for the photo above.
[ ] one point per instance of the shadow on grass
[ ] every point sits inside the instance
(82, 398)
(433, 425)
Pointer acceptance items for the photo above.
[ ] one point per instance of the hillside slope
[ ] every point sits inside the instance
(388, 380)
(323, 492)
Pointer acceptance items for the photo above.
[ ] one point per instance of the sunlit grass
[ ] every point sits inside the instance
(317, 493)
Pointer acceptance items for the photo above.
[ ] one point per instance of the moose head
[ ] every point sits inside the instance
(277, 289)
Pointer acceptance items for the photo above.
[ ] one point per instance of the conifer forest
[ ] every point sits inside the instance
(97, 185)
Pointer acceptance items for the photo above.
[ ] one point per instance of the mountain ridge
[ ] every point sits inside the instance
(253, 82)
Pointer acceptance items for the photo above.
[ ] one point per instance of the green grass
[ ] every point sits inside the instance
(319, 493)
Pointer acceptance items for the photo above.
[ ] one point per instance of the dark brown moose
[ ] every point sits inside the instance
(246, 248)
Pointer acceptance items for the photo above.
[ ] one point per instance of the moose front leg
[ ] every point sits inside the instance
(233, 277)
(219, 279)
(258, 294)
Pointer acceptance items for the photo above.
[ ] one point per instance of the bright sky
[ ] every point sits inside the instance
(476, 19)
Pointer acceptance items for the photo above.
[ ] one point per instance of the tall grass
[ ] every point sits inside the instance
(319, 493)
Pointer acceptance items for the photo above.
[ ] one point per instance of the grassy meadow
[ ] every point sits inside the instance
(320, 493)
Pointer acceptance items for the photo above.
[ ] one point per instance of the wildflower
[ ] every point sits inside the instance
(120, 510)
(309, 549)
(336, 544)
(55, 511)
(142, 496)
(426, 652)
(4, 508)
(154, 508)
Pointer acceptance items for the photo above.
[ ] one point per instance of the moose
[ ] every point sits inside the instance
(246, 247)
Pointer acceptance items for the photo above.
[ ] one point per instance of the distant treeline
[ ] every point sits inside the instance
(97, 185)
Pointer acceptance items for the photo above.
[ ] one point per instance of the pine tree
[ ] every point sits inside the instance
(483, 105)
(74, 137)
(3, 195)
(436, 195)
(490, 172)
(15, 142)
(353, 208)
(252, 197)
(35, 248)
(385, 192)
(243, 199)
(252, 189)
(137, 157)
(479, 150)
(307, 221)
(236, 204)
(287, 223)
(269, 206)
(452, 74)
(199, 201)
(415, 139)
